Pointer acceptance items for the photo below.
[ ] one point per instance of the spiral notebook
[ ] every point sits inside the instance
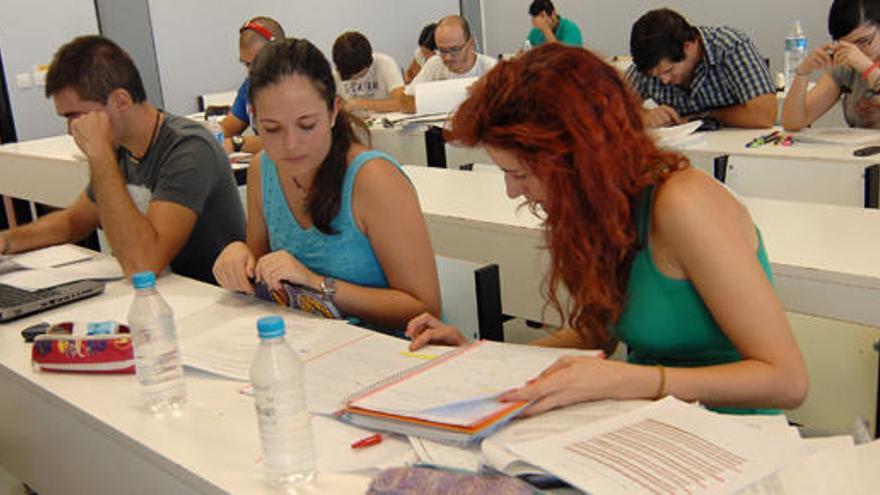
(453, 398)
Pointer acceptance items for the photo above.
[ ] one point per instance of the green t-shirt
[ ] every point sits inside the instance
(567, 33)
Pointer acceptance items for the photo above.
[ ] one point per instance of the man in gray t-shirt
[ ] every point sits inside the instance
(160, 186)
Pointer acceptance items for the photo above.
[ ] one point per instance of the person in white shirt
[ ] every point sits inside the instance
(423, 52)
(367, 80)
(456, 58)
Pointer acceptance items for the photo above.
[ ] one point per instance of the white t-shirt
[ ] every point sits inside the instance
(419, 57)
(435, 70)
(381, 78)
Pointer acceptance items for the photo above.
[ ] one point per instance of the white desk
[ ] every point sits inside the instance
(51, 171)
(409, 144)
(89, 434)
(470, 217)
(824, 257)
(807, 172)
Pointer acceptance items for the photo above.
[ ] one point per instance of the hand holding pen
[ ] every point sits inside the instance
(819, 59)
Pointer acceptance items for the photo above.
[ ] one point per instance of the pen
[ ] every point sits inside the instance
(367, 441)
(760, 140)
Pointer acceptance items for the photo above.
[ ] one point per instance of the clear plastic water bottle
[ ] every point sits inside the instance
(156, 355)
(285, 431)
(795, 51)
(216, 129)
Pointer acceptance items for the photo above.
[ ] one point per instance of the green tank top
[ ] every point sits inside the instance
(665, 320)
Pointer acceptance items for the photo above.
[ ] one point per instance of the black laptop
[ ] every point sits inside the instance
(15, 302)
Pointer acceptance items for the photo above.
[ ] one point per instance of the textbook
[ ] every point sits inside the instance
(453, 398)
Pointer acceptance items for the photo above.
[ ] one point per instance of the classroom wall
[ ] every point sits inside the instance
(127, 22)
(606, 25)
(30, 33)
(197, 41)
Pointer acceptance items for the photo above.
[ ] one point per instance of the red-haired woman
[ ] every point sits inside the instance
(651, 252)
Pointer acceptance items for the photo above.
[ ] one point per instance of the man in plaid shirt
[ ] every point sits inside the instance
(699, 72)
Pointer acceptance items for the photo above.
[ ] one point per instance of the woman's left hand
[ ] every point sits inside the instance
(849, 54)
(567, 381)
(279, 266)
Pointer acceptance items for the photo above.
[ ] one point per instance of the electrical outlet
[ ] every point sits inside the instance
(24, 80)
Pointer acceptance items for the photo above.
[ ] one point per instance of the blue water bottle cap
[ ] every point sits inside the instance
(270, 327)
(144, 280)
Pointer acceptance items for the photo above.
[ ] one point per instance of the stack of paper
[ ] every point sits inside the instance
(666, 447)
(339, 358)
(56, 265)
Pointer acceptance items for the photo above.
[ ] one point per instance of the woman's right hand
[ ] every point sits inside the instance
(819, 59)
(427, 329)
(234, 268)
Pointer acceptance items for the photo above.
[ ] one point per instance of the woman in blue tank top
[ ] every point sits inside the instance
(649, 251)
(323, 210)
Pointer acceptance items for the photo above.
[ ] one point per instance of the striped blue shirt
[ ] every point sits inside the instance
(731, 72)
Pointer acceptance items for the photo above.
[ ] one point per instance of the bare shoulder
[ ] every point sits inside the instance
(379, 176)
(691, 201)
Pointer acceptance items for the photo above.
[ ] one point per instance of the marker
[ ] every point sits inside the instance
(367, 441)
(761, 140)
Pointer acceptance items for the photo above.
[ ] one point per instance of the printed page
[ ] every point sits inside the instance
(101, 268)
(463, 389)
(53, 256)
(498, 455)
(667, 447)
(830, 467)
(677, 135)
(340, 359)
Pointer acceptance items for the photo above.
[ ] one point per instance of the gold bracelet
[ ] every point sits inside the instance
(661, 390)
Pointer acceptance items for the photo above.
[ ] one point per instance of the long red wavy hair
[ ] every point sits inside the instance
(576, 124)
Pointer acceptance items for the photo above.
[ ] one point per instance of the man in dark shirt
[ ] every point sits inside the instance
(160, 185)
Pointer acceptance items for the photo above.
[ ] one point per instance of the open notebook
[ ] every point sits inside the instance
(453, 398)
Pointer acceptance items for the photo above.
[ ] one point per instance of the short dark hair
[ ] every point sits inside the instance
(659, 34)
(352, 53)
(94, 66)
(426, 37)
(539, 6)
(846, 15)
(288, 57)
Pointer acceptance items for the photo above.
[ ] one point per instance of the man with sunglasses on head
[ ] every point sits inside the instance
(252, 37)
(699, 72)
(456, 58)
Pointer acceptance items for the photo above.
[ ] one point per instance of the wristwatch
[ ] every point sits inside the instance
(237, 143)
(328, 288)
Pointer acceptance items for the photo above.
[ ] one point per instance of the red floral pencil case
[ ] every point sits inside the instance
(101, 347)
